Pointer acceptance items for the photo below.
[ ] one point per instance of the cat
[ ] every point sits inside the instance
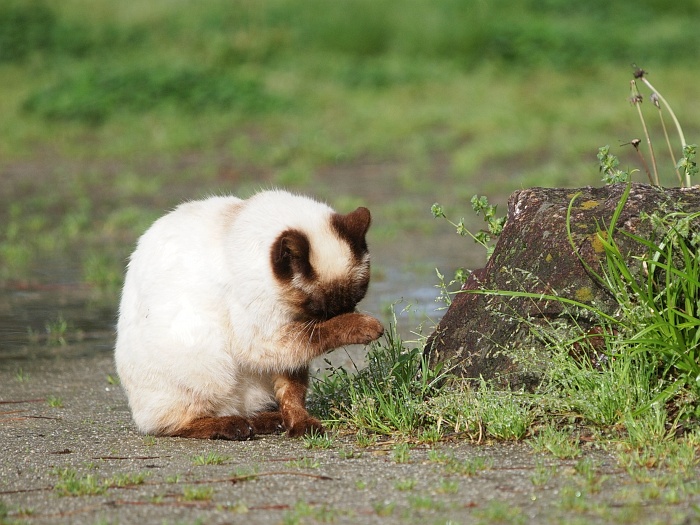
(224, 305)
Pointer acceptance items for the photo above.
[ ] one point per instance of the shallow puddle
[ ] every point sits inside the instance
(39, 319)
(38, 316)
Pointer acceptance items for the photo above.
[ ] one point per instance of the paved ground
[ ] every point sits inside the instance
(89, 443)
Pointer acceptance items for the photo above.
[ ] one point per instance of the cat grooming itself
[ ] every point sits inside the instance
(225, 304)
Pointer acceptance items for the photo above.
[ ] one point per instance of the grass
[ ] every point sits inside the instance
(317, 440)
(452, 465)
(54, 402)
(555, 441)
(385, 396)
(304, 512)
(304, 463)
(168, 103)
(401, 453)
(171, 102)
(643, 397)
(197, 493)
(21, 376)
(70, 483)
(210, 458)
(56, 331)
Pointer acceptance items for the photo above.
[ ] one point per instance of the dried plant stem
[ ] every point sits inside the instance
(635, 144)
(673, 116)
(670, 149)
(636, 100)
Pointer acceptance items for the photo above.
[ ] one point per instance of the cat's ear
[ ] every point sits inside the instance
(353, 227)
(290, 255)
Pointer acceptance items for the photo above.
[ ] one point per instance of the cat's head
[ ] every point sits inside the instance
(323, 271)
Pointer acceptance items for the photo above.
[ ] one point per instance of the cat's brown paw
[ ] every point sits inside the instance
(234, 428)
(267, 423)
(365, 329)
(305, 426)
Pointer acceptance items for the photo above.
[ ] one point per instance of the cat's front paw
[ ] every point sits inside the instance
(233, 428)
(365, 329)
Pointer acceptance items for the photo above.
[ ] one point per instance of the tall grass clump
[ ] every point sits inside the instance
(659, 306)
(386, 396)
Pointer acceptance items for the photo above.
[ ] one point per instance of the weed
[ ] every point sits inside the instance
(466, 467)
(21, 376)
(687, 163)
(56, 331)
(424, 503)
(484, 237)
(385, 397)
(648, 428)
(431, 434)
(210, 458)
(683, 457)
(318, 440)
(557, 442)
(496, 511)
(197, 493)
(304, 512)
(365, 439)
(126, 480)
(542, 474)
(247, 471)
(593, 480)
(573, 498)
(384, 508)
(608, 166)
(405, 484)
(658, 309)
(54, 402)
(448, 486)
(113, 380)
(438, 456)
(349, 453)
(71, 484)
(401, 453)
(455, 408)
(25, 512)
(149, 441)
(305, 462)
(505, 415)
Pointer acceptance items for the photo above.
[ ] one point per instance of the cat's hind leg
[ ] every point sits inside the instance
(290, 392)
(233, 428)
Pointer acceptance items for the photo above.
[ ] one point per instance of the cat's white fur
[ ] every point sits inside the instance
(200, 307)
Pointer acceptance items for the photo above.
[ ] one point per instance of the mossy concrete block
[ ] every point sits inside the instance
(504, 338)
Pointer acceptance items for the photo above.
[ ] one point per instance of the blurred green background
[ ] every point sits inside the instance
(113, 112)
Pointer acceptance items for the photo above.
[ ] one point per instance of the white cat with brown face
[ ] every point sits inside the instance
(225, 304)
